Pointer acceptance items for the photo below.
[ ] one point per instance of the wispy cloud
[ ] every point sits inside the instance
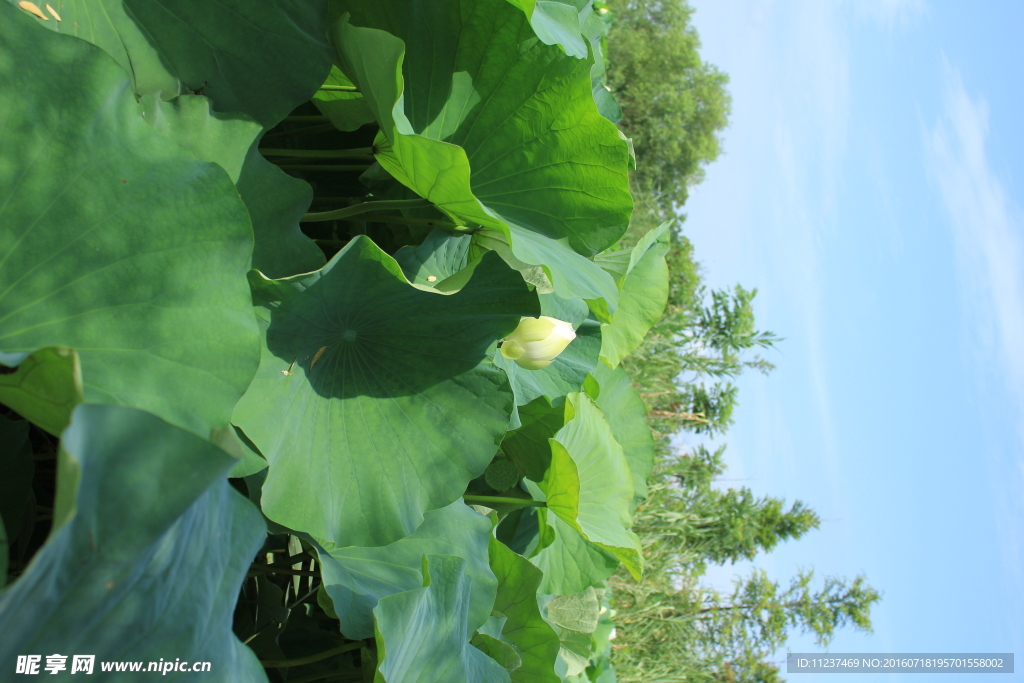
(987, 226)
(893, 13)
(760, 219)
(768, 204)
(988, 230)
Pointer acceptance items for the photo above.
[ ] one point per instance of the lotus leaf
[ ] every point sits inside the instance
(493, 126)
(626, 414)
(357, 578)
(423, 636)
(555, 23)
(642, 299)
(275, 200)
(192, 46)
(160, 582)
(377, 399)
(589, 485)
(570, 562)
(45, 388)
(346, 110)
(116, 239)
(439, 257)
(524, 627)
(576, 611)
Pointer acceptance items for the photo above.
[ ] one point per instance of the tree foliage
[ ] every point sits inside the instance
(674, 104)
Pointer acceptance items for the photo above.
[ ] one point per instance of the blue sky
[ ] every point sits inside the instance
(872, 188)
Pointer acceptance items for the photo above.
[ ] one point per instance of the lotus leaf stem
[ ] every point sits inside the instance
(323, 167)
(484, 500)
(285, 663)
(264, 569)
(292, 560)
(320, 153)
(340, 675)
(301, 131)
(383, 205)
(339, 88)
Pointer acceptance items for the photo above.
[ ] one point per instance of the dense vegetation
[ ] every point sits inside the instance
(280, 286)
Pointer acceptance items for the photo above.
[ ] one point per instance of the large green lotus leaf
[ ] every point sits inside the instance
(616, 263)
(568, 371)
(475, 76)
(439, 257)
(570, 563)
(595, 26)
(275, 200)
(45, 388)
(259, 58)
(576, 611)
(589, 485)
(626, 414)
(555, 23)
(502, 652)
(357, 578)
(494, 127)
(564, 272)
(276, 203)
(16, 471)
(149, 546)
(527, 445)
(223, 139)
(609, 108)
(117, 242)
(250, 460)
(348, 111)
(423, 634)
(576, 651)
(376, 399)
(524, 627)
(642, 299)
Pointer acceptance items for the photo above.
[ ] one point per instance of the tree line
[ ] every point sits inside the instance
(672, 626)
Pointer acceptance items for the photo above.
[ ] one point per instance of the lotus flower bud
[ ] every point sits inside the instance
(537, 341)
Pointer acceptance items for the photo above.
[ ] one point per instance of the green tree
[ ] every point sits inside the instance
(729, 525)
(719, 334)
(721, 331)
(673, 103)
(711, 637)
(708, 409)
(699, 342)
(685, 524)
(754, 621)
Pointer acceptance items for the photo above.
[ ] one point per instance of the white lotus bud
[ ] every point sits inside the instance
(537, 341)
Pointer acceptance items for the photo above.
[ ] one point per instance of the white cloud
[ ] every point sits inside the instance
(988, 230)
